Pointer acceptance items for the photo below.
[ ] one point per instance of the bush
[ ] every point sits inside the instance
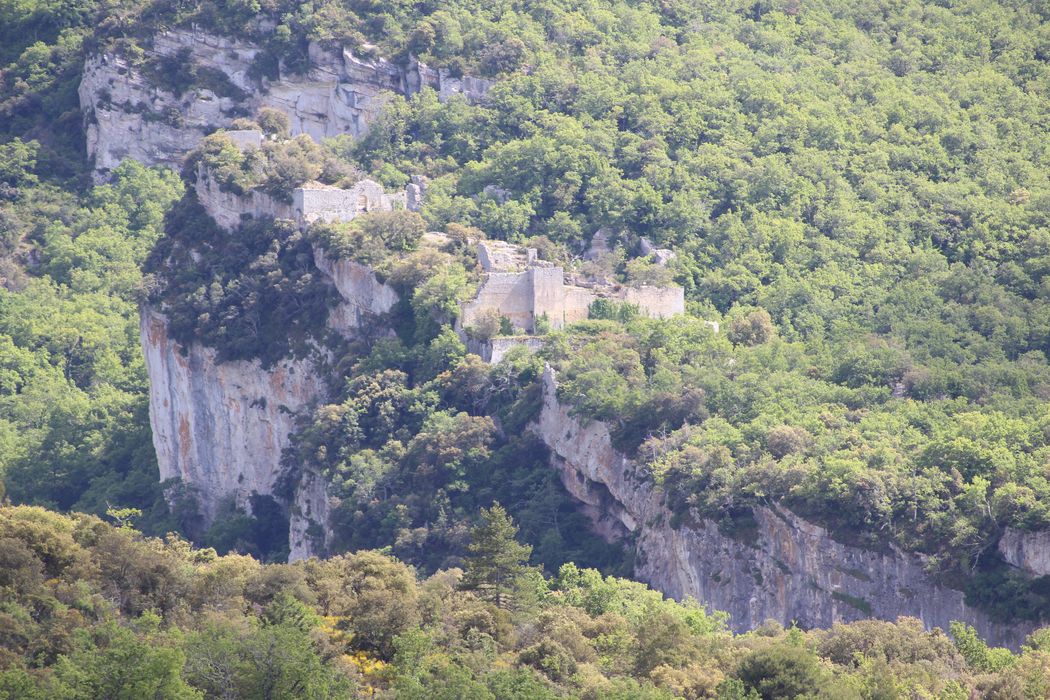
(274, 123)
(754, 329)
(781, 672)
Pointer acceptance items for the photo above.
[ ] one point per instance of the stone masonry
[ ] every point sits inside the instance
(309, 204)
(524, 289)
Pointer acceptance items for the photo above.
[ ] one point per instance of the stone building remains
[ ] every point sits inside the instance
(310, 203)
(523, 288)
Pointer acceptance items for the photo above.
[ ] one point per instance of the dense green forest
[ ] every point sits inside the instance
(857, 192)
(91, 611)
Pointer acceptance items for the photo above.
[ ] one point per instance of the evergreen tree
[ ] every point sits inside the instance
(497, 560)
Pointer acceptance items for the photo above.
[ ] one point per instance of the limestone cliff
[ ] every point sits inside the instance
(129, 115)
(1029, 551)
(221, 427)
(786, 569)
(364, 296)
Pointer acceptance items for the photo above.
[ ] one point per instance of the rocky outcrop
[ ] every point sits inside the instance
(311, 203)
(495, 349)
(129, 115)
(364, 296)
(220, 427)
(229, 209)
(1029, 551)
(784, 568)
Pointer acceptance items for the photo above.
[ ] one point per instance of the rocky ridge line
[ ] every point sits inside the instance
(127, 115)
(787, 569)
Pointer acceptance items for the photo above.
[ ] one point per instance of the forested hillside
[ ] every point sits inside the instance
(91, 610)
(857, 197)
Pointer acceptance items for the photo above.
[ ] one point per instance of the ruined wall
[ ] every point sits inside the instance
(523, 290)
(657, 302)
(548, 295)
(331, 204)
(577, 304)
(509, 292)
(308, 204)
(244, 139)
(786, 569)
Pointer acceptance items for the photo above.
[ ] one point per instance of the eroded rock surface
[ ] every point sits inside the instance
(220, 427)
(784, 568)
(1029, 551)
(129, 115)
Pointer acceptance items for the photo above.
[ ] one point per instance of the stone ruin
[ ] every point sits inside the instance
(523, 288)
(516, 284)
(310, 203)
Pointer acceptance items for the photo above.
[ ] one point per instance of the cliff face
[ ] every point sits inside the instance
(130, 115)
(221, 427)
(786, 569)
(364, 296)
(227, 208)
(1029, 551)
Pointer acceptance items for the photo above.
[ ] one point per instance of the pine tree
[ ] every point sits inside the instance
(497, 560)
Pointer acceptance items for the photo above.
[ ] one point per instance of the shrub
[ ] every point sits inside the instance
(781, 672)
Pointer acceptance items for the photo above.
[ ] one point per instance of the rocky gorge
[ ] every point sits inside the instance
(221, 427)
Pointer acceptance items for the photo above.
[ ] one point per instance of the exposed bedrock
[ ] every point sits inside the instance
(129, 115)
(788, 569)
(1029, 551)
(221, 427)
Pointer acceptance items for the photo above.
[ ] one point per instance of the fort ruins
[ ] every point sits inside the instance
(515, 283)
(524, 289)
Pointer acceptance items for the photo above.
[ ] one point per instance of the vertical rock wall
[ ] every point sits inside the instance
(364, 296)
(221, 427)
(228, 209)
(786, 569)
(1029, 551)
(128, 116)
